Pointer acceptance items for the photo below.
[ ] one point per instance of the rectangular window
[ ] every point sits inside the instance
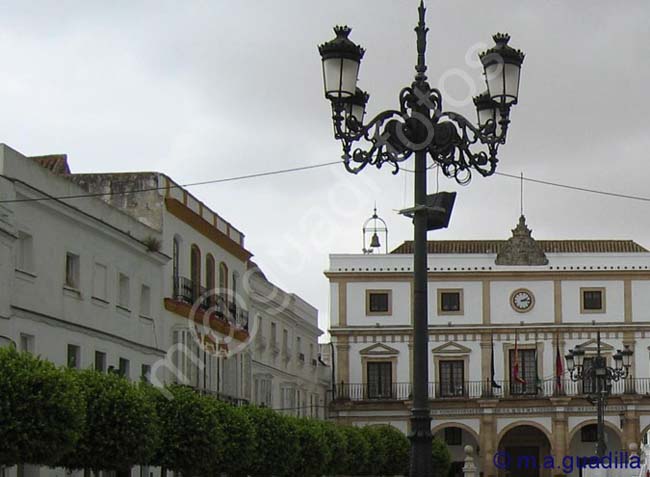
(452, 382)
(285, 340)
(592, 300)
(274, 334)
(289, 400)
(25, 252)
(588, 383)
(72, 270)
(453, 436)
(99, 281)
(527, 377)
(27, 343)
(450, 302)
(380, 380)
(145, 301)
(123, 368)
(378, 302)
(123, 291)
(74, 356)
(145, 373)
(100, 361)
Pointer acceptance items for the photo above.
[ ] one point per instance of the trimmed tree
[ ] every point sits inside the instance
(239, 444)
(276, 447)
(41, 410)
(315, 453)
(121, 424)
(357, 453)
(192, 438)
(377, 458)
(396, 449)
(338, 443)
(441, 458)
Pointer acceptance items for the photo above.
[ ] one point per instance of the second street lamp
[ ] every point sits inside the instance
(421, 127)
(597, 378)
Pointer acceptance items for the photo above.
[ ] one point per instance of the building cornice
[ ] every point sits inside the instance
(208, 230)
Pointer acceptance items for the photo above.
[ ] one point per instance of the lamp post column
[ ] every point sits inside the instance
(600, 447)
(599, 373)
(420, 436)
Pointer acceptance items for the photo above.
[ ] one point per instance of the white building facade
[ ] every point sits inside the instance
(493, 304)
(79, 287)
(288, 374)
(205, 305)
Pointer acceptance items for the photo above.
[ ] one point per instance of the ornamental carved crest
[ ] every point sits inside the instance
(521, 248)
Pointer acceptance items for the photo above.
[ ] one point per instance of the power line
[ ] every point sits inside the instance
(304, 168)
(149, 189)
(580, 189)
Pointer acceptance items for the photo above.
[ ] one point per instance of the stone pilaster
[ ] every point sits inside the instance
(342, 360)
(486, 364)
(488, 437)
(560, 429)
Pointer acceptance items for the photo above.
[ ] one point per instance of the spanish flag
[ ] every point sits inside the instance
(516, 376)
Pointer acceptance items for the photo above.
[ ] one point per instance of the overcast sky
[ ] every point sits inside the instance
(212, 89)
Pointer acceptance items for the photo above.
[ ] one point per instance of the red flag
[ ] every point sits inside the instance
(559, 367)
(515, 365)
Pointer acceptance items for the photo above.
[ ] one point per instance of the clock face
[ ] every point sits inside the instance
(522, 300)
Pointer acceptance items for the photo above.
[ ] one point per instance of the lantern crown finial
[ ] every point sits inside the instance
(504, 50)
(341, 46)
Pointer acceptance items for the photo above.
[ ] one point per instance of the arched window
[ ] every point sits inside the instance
(176, 250)
(223, 280)
(195, 271)
(234, 287)
(209, 278)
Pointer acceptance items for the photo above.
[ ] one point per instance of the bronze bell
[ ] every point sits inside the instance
(374, 241)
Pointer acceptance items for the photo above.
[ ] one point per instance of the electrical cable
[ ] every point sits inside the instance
(149, 189)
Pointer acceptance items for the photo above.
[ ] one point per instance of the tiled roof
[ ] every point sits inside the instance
(57, 163)
(548, 246)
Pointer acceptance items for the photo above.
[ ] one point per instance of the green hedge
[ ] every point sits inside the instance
(90, 420)
(41, 410)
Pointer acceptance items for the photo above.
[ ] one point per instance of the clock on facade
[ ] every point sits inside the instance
(522, 300)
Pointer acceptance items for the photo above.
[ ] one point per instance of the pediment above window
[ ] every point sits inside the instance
(591, 346)
(379, 349)
(451, 348)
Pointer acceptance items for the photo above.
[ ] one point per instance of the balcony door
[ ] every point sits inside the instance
(527, 383)
(452, 378)
(380, 380)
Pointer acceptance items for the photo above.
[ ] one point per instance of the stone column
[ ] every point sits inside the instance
(342, 365)
(560, 429)
(631, 424)
(488, 436)
(486, 365)
(628, 340)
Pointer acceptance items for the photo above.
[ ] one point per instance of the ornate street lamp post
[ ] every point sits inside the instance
(421, 128)
(598, 376)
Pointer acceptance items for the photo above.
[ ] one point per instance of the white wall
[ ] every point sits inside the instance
(356, 304)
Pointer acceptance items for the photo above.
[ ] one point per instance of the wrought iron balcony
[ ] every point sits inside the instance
(484, 389)
(189, 292)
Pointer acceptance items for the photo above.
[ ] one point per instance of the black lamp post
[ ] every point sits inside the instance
(421, 128)
(599, 376)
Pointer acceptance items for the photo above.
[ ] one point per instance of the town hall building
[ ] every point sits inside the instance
(502, 316)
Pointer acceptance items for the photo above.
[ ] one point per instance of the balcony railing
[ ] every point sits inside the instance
(484, 389)
(187, 291)
(236, 401)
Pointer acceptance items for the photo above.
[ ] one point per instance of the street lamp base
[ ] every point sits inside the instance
(421, 439)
